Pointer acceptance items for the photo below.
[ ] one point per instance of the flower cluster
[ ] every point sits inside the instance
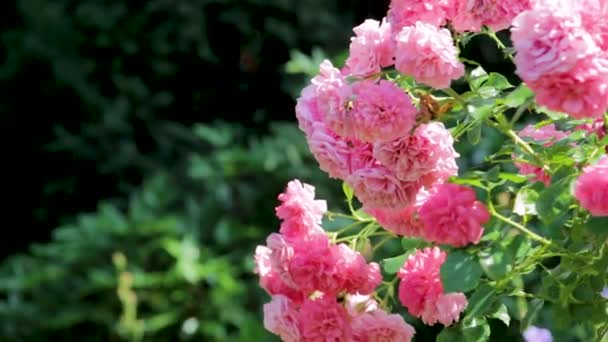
(305, 272)
(464, 15)
(421, 290)
(561, 55)
(358, 319)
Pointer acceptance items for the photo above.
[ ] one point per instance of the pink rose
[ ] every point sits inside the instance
(421, 290)
(358, 276)
(372, 49)
(591, 188)
(324, 319)
(300, 212)
(379, 326)
(373, 111)
(452, 215)
(428, 54)
(281, 318)
(402, 221)
(426, 155)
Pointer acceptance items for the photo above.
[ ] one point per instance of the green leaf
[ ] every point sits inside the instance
(513, 177)
(481, 300)
(474, 134)
(450, 334)
(460, 272)
(476, 329)
(555, 116)
(409, 244)
(495, 263)
(598, 225)
(554, 201)
(498, 81)
(534, 309)
(519, 96)
(502, 314)
(392, 265)
(477, 77)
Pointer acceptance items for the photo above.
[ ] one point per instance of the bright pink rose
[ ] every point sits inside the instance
(452, 215)
(471, 15)
(547, 135)
(582, 92)
(428, 54)
(281, 318)
(421, 290)
(300, 212)
(420, 279)
(550, 39)
(379, 326)
(373, 111)
(324, 319)
(403, 221)
(315, 267)
(377, 187)
(372, 49)
(591, 188)
(359, 277)
(446, 309)
(408, 12)
(427, 155)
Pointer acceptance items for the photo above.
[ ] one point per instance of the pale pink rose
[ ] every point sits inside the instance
(270, 280)
(315, 267)
(373, 111)
(591, 188)
(372, 49)
(445, 310)
(376, 186)
(379, 326)
(331, 151)
(402, 221)
(324, 319)
(452, 215)
(428, 54)
(550, 39)
(357, 304)
(471, 15)
(359, 276)
(408, 12)
(281, 318)
(420, 279)
(421, 290)
(582, 92)
(307, 110)
(300, 212)
(427, 155)
(547, 135)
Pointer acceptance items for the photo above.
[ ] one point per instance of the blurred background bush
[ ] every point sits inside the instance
(147, 141)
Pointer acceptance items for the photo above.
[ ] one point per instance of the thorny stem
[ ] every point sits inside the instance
(500, 44)
(451, 92)
(521, 228)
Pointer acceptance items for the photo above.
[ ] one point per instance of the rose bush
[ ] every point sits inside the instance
(471, 242)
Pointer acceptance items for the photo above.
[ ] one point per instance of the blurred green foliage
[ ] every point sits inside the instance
(175, 262)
